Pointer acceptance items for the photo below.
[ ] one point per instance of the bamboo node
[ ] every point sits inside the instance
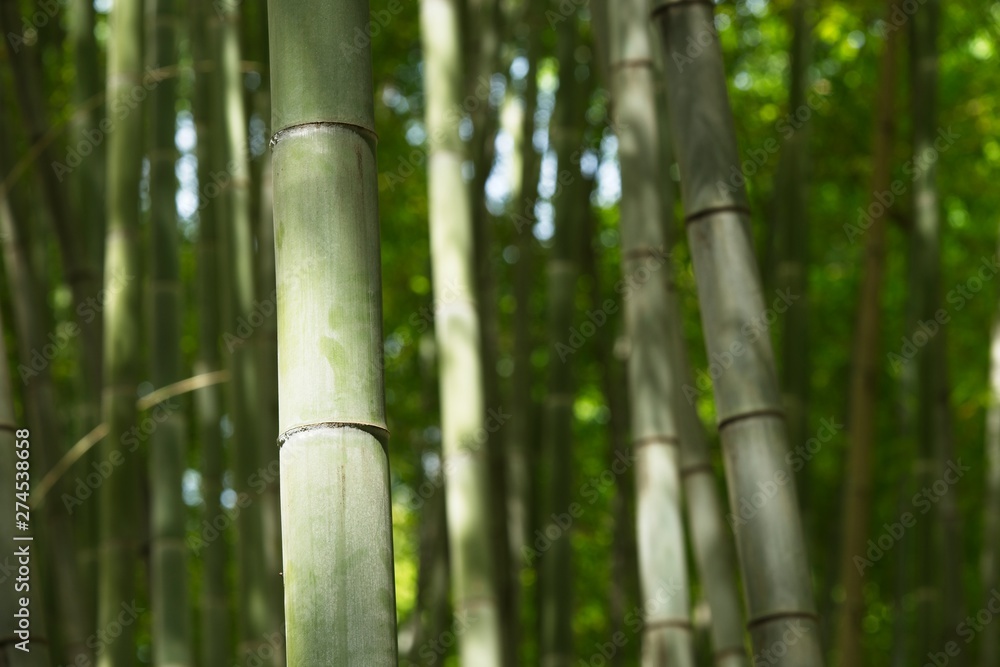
(378, 432)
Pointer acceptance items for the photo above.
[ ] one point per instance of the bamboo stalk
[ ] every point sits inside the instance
(556, 576)
(119, 521)
(864, 389)
(457, 328)
(168, 514)
(335, 506)
(653, 390)
(771, 547)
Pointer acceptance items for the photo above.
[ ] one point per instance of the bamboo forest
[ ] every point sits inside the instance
(499, 333)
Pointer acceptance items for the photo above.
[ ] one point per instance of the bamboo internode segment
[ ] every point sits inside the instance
(736, 320)
(335, 505)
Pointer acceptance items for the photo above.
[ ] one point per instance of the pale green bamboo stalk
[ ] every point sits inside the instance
(214, 617)
(771, 547)
(119, 495)
(335, 506)
(653, 390)
(463, 409)
(258, 586)
(168, 513)
(989, 650)
(711, 538)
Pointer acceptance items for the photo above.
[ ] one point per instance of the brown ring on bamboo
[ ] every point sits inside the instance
(293, 129)
(763, 412)
(667, 6)
(711, 210)
(380, 433)
(644, 252)
(632, 62)
(8, 426)
(697, 467)
(683, 623)
(778, 615)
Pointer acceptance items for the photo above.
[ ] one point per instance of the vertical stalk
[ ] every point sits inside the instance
(214, 617)
(771, 546)
(519, 475)
(864, 388)
(653, 391)
(119, 495)
(335, 506)
(934, 403)
(792, 227)
(89, 188)
(169, 576)
(556, 577)
(457, 328)
(258, 586)
(990, 558)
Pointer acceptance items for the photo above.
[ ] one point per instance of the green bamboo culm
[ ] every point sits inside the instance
(335, 506)
(456, 327)
(119, 525)
(214, 617)
(711, 538)
(555, 579)
(168, 513)
(88, 186)
(653, 390)
(866, 359)
(258, 586)
(771, 545)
